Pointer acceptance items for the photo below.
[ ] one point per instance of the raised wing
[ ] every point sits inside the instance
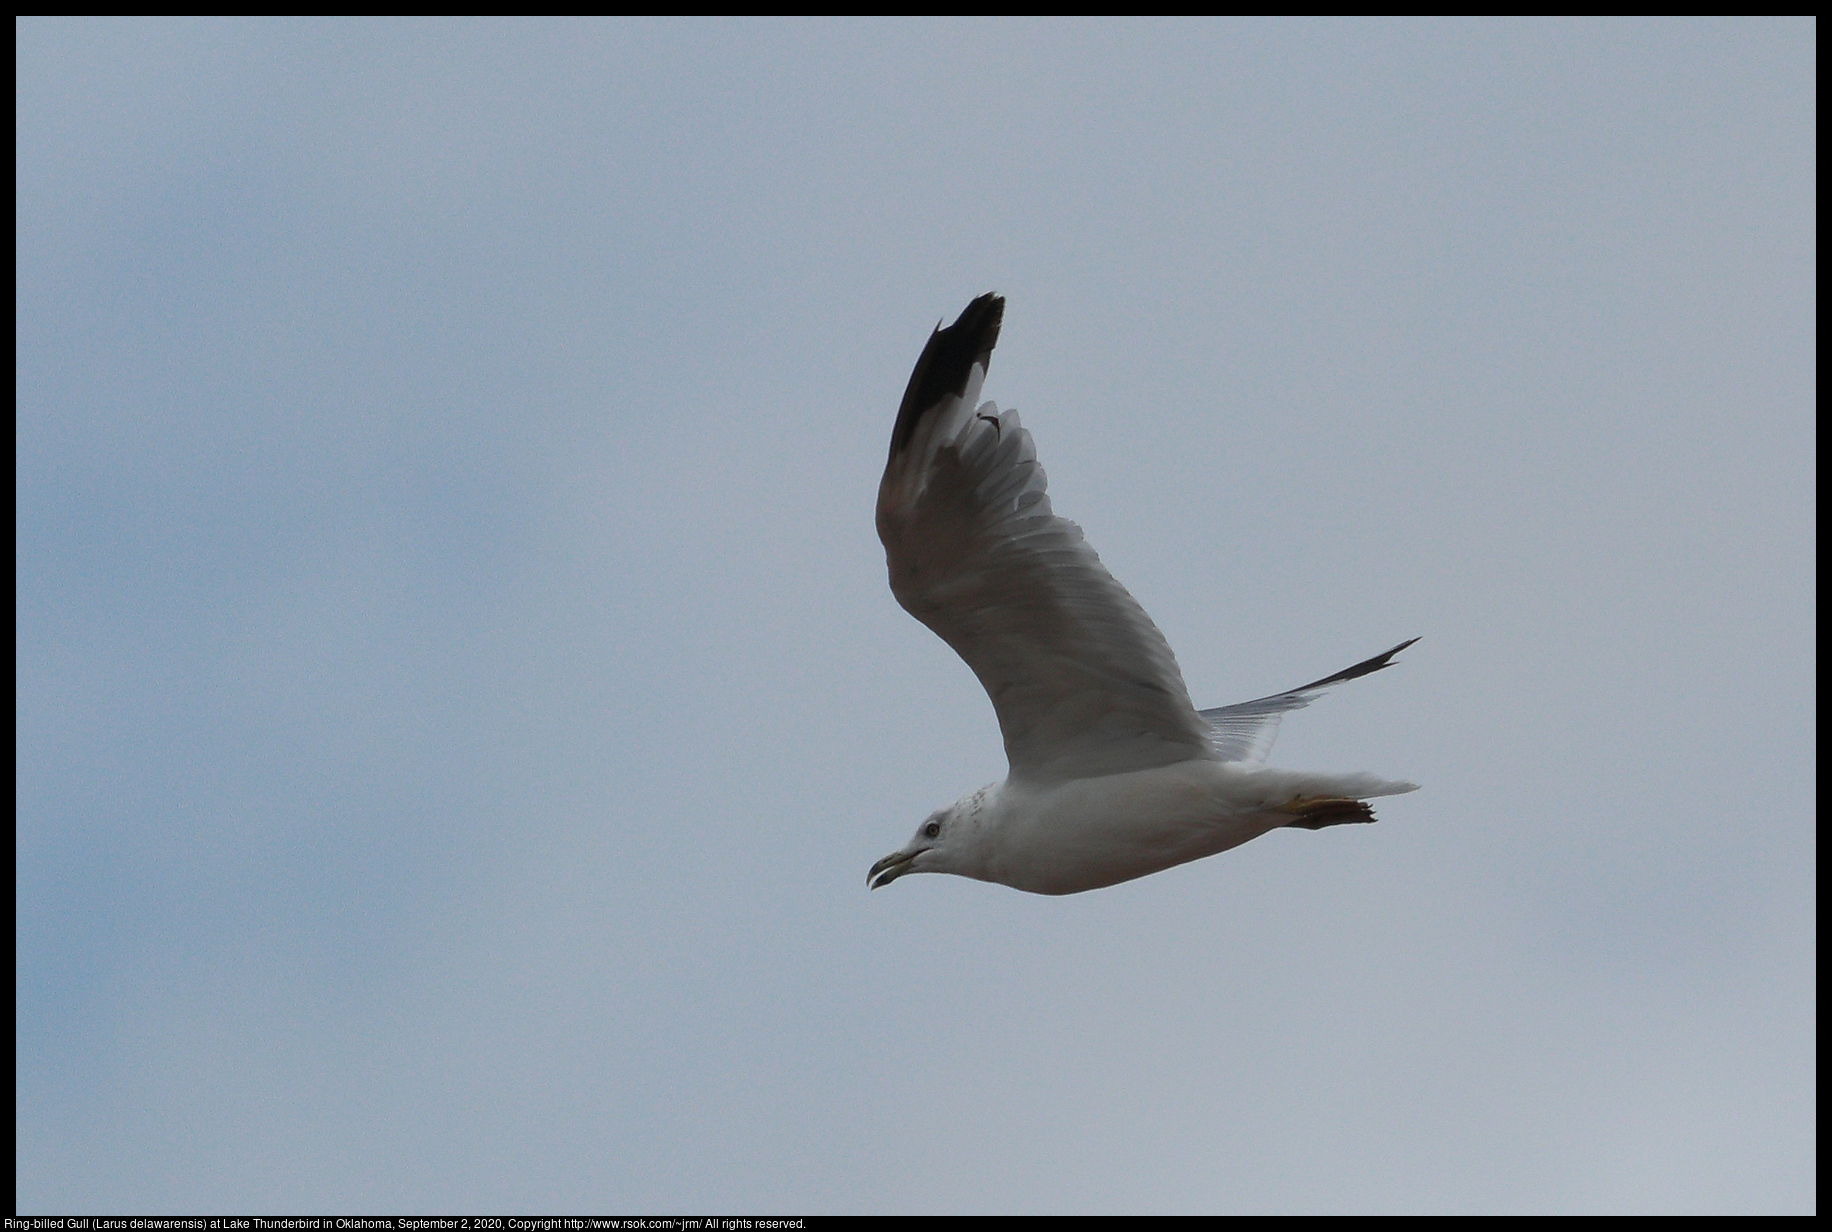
(1245, 731)
(1083, 682)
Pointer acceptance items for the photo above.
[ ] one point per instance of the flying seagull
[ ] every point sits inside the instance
(1114, 774)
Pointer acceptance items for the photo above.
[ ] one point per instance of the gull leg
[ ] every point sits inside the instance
(1321, 811)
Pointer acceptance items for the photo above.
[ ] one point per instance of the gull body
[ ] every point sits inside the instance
(1114, 773)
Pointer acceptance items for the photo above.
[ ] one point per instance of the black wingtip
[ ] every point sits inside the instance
(943, 367)
(1362, 668)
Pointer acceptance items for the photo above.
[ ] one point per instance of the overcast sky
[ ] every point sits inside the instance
(459, 696)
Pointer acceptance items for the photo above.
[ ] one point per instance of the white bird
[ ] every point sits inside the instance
(1113, 773)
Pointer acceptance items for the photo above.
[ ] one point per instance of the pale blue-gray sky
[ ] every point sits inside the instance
(459, 697)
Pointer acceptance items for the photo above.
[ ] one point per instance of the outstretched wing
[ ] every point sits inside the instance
(1083, 682)
(1245, 731)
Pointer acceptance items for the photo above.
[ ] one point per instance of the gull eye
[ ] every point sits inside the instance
(932, 829)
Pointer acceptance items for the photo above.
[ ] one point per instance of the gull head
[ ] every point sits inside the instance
(948, 841)
(927, 852)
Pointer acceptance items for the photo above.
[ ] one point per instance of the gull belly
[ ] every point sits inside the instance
(1081, 834)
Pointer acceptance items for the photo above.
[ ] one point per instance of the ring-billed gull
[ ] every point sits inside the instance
(1113, 773)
